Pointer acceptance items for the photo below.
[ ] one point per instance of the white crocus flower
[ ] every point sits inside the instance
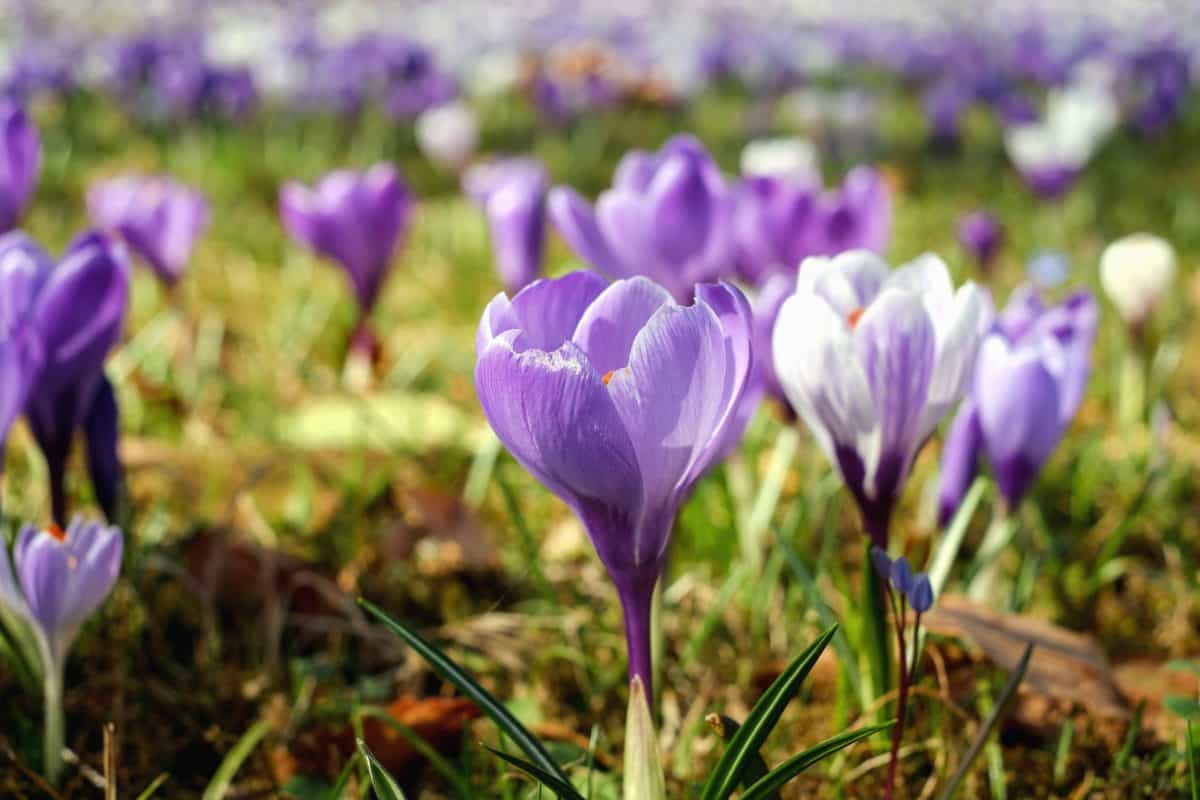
(791, 157)
(872, 360)
(448, 135)
(1136, 271)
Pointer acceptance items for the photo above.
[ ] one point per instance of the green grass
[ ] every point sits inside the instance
(237, 430)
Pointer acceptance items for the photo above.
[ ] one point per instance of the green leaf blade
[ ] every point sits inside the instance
(770, 784)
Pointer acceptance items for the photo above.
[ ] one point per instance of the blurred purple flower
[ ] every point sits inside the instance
(668, 216)
(1037, 359)
(19, 163)
(1048, 268)
(512, 194)
(979, 232)
(44, 301)
(353, 218)
(158, 217)
(617, 399)
(945, 104)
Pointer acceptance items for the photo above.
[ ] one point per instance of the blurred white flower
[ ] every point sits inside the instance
(791, 157)
(448, 134)
(1136, 271)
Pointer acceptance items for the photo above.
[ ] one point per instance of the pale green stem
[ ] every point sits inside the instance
(53, 735)
(1131, 400)
(767, 499)
(999, 535)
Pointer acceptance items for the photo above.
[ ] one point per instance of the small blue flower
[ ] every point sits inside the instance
(920, 594)
(902, 575)
(1048, 268)
(883, 564)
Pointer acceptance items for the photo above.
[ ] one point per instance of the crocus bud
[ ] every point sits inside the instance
(20, 157)
(353, 218)
(668, 216)
(158, 217)
(448, 134)
(980, 234)
(643, 778)
(512, 194)
(1136, 271)
(920, 594)
(61, 578)
(902, 575)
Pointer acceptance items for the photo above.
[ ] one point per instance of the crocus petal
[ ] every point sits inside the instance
(680, 206)
(576, 223)
(548, 311)
(848, 282)
(896, 344)
(960, 461)
(101, 428)
(555, 415)
(670, 401)
(1013, 389)
(612, 321)
(816, 362)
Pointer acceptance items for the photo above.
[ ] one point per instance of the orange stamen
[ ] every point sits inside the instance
(854, 316)
(608, 376)
(57, 532)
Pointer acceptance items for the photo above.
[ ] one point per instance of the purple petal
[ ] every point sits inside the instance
(960, 461)
(576, 223)
(680, 210)
(555, 415)
(607, 330)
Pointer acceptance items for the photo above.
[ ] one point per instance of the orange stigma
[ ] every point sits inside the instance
(608, 376)
(57, 532)
(854, 316)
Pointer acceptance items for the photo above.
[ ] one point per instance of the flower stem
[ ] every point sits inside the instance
(637, 602)
(901, 703)
(52, 735)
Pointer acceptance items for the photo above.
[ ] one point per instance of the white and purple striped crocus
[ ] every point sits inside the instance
(158, 217)
(871, 360)
(1029, 381)
(355, 219)
(512, 195)
(61, 578)
(73, 313)
(20, 158)
(668, 216)
(617, 399)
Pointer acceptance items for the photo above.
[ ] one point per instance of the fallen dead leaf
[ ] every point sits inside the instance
(1066, 666)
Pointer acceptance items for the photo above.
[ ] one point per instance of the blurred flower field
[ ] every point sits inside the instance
(309, 414)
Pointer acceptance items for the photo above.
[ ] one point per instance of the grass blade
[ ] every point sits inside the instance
(526, 741)
(552, 782)
(149, 791)
(769, 785)
(232, 762)
(1010, 690)
(755, 768)
(385, 785)
(761, 721)
(435, 759)
(339, 787)
(951, 541)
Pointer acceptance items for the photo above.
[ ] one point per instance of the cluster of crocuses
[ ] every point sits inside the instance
(590, 55)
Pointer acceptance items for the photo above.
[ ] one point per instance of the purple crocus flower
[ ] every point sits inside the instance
(74, 312)
(856, 216)
(158, 217)
(775, 226)
(617, 399)
(668, 216)
(61, 579)
(20, 158)
(778, 223)
(766, 303)
(1029, 382)
(512, 194)
(872, 360)
(355, 219)
(981, 235)
(946, 103)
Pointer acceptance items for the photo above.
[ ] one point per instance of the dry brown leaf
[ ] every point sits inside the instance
(1066, 666)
